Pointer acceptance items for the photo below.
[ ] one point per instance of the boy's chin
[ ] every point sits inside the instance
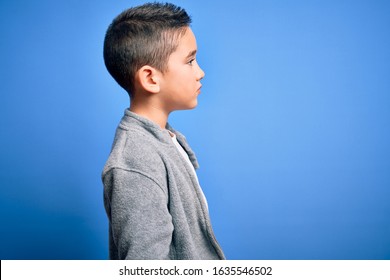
(193, 106)
(188, 106)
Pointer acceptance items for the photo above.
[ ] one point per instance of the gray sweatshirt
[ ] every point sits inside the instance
(152, 198)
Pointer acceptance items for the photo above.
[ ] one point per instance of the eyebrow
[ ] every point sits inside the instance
(191, 53)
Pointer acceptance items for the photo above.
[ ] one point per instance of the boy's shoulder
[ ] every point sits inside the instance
(139, 145)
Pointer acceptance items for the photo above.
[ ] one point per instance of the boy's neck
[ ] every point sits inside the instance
(150, 112)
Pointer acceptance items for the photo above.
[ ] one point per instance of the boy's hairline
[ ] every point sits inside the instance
(180, 32)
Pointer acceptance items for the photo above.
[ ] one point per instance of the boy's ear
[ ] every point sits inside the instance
(148, 78)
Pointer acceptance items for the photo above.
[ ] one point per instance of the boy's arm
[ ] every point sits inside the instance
(140, 221)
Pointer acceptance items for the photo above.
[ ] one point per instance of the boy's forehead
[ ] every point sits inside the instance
(187, 42)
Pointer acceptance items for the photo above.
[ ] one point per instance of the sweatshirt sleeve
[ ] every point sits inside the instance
(137, 208)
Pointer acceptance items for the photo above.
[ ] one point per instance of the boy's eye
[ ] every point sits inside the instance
(191, 61)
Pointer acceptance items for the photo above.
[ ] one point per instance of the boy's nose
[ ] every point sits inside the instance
(201, 74)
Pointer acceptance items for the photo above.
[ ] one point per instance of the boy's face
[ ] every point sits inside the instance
(180, 84)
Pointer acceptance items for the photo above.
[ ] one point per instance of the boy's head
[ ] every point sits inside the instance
(143, 35)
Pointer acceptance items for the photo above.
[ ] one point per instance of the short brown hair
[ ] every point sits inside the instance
(142, 35)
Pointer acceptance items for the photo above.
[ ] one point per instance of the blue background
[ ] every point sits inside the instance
(292, 129)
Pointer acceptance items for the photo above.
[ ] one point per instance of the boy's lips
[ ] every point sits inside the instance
(199, 89)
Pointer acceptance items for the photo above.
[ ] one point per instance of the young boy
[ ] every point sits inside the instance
(153, 200)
